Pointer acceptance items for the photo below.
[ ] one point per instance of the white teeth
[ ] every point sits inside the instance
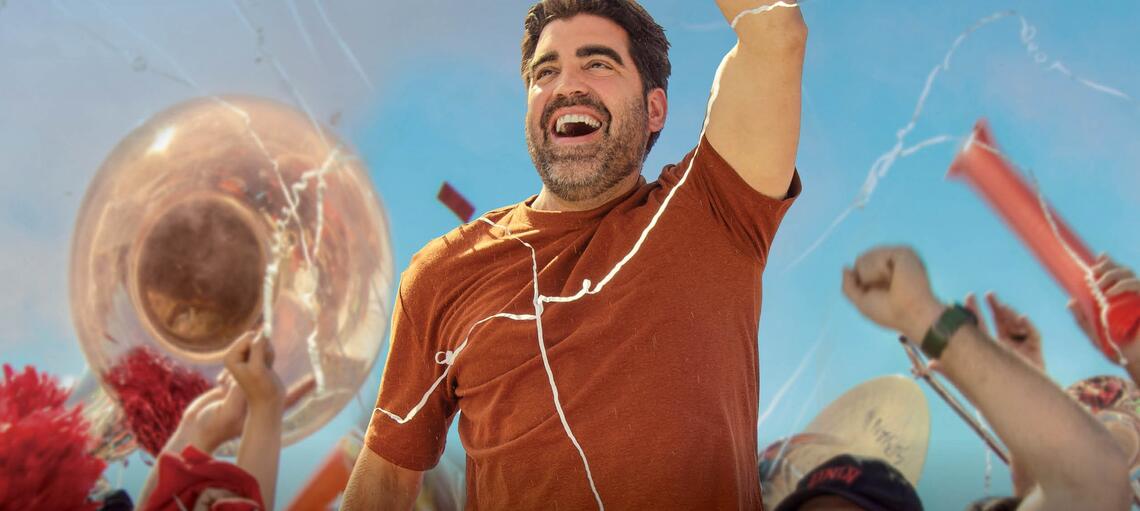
(585, 119)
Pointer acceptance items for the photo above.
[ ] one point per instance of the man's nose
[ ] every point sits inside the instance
(571, 82)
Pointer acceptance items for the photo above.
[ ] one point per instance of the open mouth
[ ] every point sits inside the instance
(575, 126)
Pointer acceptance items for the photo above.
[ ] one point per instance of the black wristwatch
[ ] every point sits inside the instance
(944, 327)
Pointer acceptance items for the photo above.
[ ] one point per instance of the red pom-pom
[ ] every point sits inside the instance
(29, 391)
(45, 462)
(153, 392)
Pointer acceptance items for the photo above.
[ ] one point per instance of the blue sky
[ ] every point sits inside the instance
(437, 97)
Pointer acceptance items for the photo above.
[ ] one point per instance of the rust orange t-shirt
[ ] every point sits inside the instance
(657, 373)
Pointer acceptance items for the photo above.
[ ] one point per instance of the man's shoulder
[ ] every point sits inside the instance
(449, 251)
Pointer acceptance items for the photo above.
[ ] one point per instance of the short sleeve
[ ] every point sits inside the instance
(413, 387)
(749, 218)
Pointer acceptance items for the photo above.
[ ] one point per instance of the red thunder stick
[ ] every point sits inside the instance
(1059, 250)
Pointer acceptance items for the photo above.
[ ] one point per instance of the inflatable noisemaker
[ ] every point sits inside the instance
(1048, 237)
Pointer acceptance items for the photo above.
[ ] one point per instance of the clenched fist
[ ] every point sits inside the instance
(890, 287)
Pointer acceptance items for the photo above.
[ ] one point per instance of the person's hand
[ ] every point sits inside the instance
(1113, 280)
(1011, 329)
(890, 287)
(250, 361)
(214, 417)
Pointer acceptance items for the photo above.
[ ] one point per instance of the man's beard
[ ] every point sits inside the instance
(581, 172)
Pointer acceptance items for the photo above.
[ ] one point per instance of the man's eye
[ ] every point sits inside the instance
(543, 73)
(598, 65)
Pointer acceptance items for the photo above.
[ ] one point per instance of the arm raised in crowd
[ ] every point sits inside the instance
(1018, 334)
(209, 421)
(250, 362)
(754, 111)
(1073, 458)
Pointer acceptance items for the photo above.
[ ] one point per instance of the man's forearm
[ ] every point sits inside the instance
(377, 484)
(1070, 454)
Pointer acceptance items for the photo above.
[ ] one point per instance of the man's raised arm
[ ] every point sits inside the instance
(1070, 454)
(754, 111)
(378, 484)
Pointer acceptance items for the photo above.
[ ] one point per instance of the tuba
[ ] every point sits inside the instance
(227, 215)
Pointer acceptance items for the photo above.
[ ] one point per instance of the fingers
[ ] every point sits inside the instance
(874, 268)
(238, 352)
(851, 285)
(257, 352)
(270, 354)
(1124, 286)
(234, 392)
(971, 303)
(1115, 279)
(214, 394)
(1102, 264)
(1112, 276)
(1004, 315)
(1010, 323)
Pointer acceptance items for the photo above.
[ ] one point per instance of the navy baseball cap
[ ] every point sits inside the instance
(870, 483)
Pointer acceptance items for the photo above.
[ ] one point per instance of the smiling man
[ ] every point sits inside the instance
(600, 337)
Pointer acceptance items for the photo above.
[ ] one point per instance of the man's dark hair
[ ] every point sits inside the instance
(647, 43)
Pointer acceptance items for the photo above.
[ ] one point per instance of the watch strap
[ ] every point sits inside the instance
(944, 328)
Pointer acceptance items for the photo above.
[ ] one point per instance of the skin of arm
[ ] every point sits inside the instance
(1017, 333)
(209, 421)
(1073, 458)
(753, 120)
(260, 447)
(378, 484)
(251, 364)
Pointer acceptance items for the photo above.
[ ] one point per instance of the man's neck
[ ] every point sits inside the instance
(547, 201)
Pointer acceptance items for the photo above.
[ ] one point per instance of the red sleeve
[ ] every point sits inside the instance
(183, 477)
(410, 378)
(749, 218)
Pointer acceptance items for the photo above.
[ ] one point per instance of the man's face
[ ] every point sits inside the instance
(587, 120)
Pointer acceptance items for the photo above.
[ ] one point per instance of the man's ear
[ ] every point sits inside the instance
(658, 109)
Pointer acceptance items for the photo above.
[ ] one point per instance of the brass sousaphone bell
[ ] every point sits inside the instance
(227, 215)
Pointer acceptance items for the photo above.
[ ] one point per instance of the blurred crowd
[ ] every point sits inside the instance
(1073, 448)
(1069, 448)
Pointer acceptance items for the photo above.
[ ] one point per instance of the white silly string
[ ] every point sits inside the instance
(989, 459)
(761, 10)
(803, 410)
(882, 165)
(344, 48)
(293, 13)
(779, 395)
